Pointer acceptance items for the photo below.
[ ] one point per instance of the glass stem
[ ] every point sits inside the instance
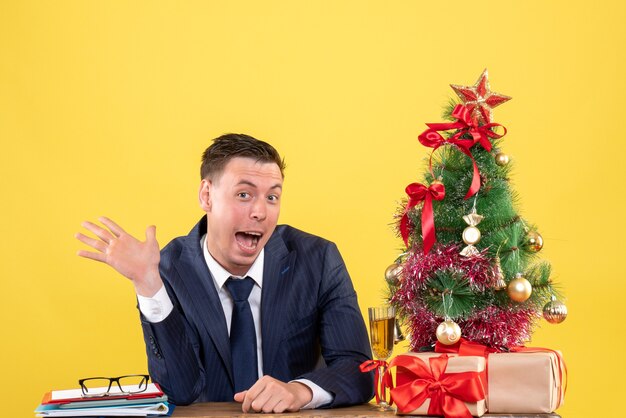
(382, 390)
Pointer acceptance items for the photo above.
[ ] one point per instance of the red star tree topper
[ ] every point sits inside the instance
(479, 98)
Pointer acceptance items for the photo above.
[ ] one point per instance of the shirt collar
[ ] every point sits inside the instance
(220, 274)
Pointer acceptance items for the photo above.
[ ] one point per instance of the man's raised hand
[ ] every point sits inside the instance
(134, 259)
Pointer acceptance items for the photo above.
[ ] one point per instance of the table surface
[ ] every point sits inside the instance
(233, 409)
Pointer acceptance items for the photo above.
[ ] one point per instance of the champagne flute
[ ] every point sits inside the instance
(382, 324)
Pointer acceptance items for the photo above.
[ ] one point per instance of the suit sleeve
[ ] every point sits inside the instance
(173, 355)
(343, 336)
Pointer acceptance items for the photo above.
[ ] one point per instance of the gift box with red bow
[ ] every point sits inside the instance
(529, 380)
(439, 384)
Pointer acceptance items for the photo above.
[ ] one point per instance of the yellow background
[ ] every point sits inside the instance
(106, 106)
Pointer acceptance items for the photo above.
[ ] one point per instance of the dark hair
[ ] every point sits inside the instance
(229, 146)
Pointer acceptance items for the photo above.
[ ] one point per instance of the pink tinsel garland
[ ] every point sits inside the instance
(495, 326)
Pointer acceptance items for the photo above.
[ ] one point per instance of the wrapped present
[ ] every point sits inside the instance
(525, 380)
(438, 384)
(528, 381)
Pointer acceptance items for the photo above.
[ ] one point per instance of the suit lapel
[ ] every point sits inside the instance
(277, 271)
(205, 300)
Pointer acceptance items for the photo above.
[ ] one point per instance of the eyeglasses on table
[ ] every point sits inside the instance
(112, 386)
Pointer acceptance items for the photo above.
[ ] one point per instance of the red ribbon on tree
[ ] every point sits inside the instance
(447, 391)
(385, 383)
(465, 125)
(418, 192)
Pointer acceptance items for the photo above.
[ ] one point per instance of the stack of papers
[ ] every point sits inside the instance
(70, 403)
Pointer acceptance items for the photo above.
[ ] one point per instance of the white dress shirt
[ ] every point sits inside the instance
(159, 306)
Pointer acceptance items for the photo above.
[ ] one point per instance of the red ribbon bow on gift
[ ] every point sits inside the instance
(466, 125)
(385, 383)
(464, 347)
(447, 391)
(418, 192)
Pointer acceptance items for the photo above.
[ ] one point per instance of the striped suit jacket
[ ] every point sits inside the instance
(309, 312)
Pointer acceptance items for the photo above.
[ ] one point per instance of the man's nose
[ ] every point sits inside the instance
(259, 210)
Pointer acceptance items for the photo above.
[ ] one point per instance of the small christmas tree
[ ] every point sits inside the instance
(470, 266)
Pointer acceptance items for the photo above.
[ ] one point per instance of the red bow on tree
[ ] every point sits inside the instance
(418, 192)
(447, 391)
(465, 125)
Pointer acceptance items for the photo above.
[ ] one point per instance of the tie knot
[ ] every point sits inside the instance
(240, 288)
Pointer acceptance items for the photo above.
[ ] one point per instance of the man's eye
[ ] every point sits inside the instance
(243, 195)
(272, 198)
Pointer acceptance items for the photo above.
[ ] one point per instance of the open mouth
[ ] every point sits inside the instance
(248, 241)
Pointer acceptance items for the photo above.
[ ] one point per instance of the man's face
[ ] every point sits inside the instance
(242, 207)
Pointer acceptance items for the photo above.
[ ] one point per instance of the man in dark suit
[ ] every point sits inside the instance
(242, 308)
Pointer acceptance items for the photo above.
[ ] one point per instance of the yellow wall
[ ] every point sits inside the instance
(105, 107)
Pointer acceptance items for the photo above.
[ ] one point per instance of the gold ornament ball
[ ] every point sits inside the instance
(448, 332)
(534, 241)
(502, 159)
(519, 289)
(555, 311)
(471, 235)
(392, 273)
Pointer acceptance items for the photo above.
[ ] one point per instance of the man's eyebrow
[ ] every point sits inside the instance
(246, 182)
(251, 184)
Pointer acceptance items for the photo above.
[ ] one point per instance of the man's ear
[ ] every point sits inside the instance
(204, 195)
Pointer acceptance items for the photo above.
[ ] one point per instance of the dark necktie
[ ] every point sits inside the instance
(242, 335)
